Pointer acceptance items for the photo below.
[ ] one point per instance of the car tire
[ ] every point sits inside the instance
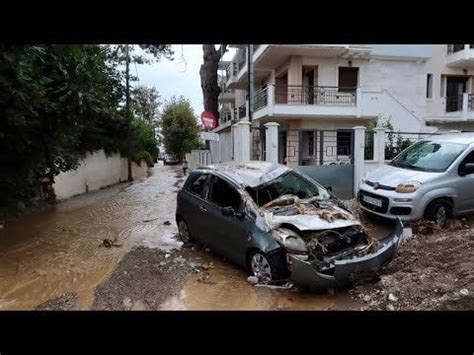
(183, 232)
(438, 212)
(268, 268)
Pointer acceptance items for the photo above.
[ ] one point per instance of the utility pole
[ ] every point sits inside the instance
(251, 80)
(127, 113)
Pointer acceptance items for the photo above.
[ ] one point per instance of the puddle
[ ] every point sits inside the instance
(54, 251)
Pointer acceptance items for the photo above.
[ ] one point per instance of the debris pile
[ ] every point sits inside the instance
(434, 270)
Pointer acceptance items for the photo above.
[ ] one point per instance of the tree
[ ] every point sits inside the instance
(208, 73)
(56, 103)
(126, 54)
(179, 127)
(145, 103)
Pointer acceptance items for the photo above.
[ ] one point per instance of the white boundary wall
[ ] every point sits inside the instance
(95, 171)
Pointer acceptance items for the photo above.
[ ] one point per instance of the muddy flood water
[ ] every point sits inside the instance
(60, 250)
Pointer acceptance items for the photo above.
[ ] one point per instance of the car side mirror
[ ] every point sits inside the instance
(467, 169)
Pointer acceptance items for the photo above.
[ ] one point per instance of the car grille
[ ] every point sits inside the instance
(380, 186)
(371, 207)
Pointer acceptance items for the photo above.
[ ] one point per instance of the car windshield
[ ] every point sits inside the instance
(429, 156)
(289, 183)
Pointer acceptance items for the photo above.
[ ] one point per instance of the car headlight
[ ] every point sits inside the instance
(407, 187)
(295, 243)
(290, 240)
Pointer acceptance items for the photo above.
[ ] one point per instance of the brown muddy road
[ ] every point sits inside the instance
(58, 252)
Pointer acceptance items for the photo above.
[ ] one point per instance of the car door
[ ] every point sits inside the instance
(193, 209)
(228, 234)
(465, 187)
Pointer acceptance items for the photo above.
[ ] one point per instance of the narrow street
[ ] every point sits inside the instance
(58, 258)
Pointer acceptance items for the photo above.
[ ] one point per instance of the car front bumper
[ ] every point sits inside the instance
(348, 271)
(391, 201)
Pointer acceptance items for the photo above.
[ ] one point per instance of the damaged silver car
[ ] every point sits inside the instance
(280, 224)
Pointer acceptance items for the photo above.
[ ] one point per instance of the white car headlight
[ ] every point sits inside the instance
(407, 187)
(290, 240)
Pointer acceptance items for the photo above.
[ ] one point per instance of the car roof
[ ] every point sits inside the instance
(461, 138)
(248, 173)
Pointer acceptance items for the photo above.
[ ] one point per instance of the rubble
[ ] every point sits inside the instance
(253, 280)
(392, 298)
(434, 270)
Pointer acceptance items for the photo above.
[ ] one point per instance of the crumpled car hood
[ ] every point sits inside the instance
(309, 221)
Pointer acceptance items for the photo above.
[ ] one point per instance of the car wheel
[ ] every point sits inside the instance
(183, 230)
(438, 212)
(268, 268)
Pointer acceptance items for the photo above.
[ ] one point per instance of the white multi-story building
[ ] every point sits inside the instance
(318, 93)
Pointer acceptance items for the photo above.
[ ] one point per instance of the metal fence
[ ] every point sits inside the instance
(454, 103)
(261, 99)
(470, 102)
(316, 95)
(258, 143)
(369, 145)
(242, 111)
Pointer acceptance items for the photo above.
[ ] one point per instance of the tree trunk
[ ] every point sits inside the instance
(208, 72)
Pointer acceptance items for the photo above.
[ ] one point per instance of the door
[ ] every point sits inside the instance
(455, 87)
(193, 208)
(348, 79)
(228, 234)
(307, 96)
(465, 187)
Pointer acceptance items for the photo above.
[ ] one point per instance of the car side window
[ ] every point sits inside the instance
(468, 159)
(197, 185)
(223, 194)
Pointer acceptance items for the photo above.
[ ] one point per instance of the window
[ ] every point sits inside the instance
(197, 184)
(223, 194)
(348, 78)
(308, 141)
(429, 86)
(289, 183)
(468, 160)
(344, 142)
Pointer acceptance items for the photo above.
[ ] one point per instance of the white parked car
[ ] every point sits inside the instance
(432, 179)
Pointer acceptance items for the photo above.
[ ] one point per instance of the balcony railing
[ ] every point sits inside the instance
(225, 115)
(454, 103)
(453, 48)
(470, 102)
(260, 99)
(316, 95)
(242, 111)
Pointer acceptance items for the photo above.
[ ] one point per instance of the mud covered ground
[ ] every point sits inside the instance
(434, 270)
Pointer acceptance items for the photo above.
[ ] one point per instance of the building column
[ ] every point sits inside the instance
(271, 141)
(379, 145)
(359, 147)
(241, 135)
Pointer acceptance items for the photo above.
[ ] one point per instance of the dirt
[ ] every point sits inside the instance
(144, 279)
(64, 302)
(433, 270)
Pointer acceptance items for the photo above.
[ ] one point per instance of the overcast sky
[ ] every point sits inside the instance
(177, 77)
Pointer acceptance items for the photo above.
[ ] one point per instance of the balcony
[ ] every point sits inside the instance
(300, 101)
(227, 96)
(460, 56)
(459, 108)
